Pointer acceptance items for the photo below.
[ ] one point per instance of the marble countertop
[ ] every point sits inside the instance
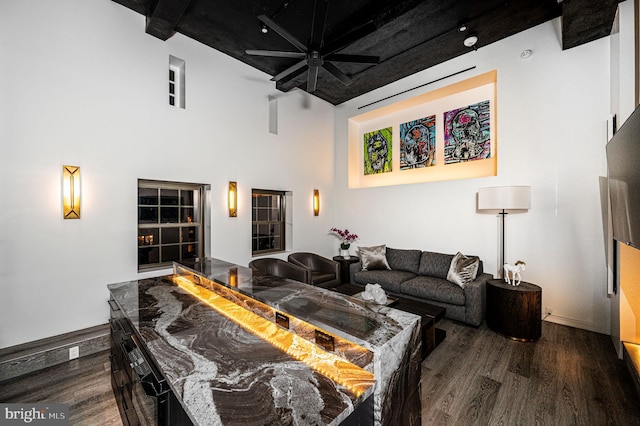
(366, 324)
(223, 374)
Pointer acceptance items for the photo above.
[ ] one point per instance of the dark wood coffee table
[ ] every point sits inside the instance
(429, 315)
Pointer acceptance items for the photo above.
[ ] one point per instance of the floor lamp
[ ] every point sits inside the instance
(503, 198)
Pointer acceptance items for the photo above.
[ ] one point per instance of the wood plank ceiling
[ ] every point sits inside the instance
(406, 35)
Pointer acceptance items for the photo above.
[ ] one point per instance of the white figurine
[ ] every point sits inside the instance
(375, 293)
(515, 272)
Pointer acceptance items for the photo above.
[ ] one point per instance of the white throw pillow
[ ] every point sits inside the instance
(463, 269)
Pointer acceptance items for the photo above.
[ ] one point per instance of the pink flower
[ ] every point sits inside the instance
(345, 236)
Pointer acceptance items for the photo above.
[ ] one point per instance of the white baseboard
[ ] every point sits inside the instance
(596, 328)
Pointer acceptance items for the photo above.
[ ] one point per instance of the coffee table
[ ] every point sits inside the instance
(429, 315)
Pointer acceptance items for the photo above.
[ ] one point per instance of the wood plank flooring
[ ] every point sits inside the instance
(568, 377)
(83, 383)
(475, 377)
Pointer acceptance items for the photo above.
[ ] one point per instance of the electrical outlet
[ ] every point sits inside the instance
(74, 352)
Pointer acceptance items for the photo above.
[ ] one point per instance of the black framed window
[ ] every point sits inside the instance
(170, 222)
(267, 221)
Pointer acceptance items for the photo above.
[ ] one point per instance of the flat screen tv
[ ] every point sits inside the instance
(623, 160)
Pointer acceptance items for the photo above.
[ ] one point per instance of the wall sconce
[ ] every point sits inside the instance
(233, 199)
(71, 192)
(233, 277)
(316, 202)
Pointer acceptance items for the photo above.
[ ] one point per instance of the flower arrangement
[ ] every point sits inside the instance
(346, 238)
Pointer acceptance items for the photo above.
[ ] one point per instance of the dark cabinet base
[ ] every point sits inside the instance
(514, 311)
(143, 399)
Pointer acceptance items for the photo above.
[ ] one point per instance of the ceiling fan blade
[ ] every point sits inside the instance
(283, 33)
(317, 26)
(312, 79)
(337, 73)
(349, 38)
(276, 53)
(363, 59)
(289, 70)
(287, 78)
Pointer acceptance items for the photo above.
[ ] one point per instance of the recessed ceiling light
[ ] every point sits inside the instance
(526, 53)
(264, 29)
(471, 40)
(462, 28)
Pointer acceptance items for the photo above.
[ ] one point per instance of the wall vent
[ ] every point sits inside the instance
(176, 82)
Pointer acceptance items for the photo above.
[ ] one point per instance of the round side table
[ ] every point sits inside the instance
(514, 311)
(344, 267)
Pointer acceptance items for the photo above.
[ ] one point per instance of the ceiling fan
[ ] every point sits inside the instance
(316, 53)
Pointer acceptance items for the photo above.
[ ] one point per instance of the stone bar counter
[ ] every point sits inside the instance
(239, 348)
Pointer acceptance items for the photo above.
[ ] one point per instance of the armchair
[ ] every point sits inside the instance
(279, 268)
(322, 272)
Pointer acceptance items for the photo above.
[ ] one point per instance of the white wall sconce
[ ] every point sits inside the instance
(316, 202)
(71, 192)
(233, 199)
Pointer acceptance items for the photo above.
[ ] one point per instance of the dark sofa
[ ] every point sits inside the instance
(422, 275)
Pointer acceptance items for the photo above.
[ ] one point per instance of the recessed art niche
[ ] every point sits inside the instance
(449, 133)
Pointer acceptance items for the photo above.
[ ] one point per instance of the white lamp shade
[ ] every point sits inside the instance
(504, 198)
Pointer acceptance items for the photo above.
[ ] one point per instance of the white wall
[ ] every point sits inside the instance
(89, 89)
(552, 111)
(623, 62)
(82, 84)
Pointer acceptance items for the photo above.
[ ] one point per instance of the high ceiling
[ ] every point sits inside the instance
(406, 35)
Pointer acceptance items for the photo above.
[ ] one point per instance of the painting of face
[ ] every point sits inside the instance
(467, 133)
(377, 151)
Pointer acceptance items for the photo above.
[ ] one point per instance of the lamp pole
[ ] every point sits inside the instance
(503, 214)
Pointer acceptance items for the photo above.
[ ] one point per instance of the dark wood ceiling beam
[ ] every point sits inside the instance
(163, 16)
(579, 27)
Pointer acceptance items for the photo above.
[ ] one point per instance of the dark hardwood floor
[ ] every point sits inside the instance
(568, 377)
(83, 383)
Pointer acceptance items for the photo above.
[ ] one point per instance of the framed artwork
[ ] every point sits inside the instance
(418, 143)
(467, 133)
(378, 151)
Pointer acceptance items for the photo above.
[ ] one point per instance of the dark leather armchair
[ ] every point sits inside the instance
(279, 268)
(322, 272)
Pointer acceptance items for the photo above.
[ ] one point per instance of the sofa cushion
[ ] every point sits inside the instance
(435, 264)
(432, 288)
(463, 269)
(388, 280)
(373, 258)
(404, 260)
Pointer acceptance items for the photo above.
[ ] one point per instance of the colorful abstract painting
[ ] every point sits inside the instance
(377, 151)
(418, 143)
(467, 133)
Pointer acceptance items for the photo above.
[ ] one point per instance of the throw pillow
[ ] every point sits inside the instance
(373, 258)
(463, 269)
